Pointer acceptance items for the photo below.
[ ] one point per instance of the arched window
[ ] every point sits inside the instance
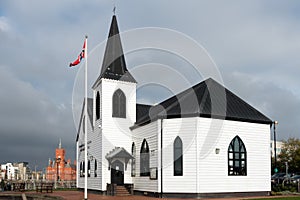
(119, 104)
(177, 155)
(81, 169)
(144, 159)
(89, 168)
(133, 153)
(237, 158)
(95, 168)
(97, 106)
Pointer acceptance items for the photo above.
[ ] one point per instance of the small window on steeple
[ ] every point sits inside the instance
(119, 104)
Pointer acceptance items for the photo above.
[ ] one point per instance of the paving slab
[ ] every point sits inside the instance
(78, 195)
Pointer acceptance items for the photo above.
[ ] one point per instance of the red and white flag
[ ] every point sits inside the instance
(80, 56)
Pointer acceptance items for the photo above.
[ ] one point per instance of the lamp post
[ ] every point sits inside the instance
(275, 160)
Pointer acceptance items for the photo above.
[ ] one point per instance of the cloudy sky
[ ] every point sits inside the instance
(255, 45)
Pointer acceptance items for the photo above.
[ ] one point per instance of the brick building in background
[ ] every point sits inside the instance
(59, 168)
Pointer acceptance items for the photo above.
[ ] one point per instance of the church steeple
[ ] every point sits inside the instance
(114, 64)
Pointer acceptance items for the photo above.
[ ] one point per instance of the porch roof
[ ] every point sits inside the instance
(118, 152)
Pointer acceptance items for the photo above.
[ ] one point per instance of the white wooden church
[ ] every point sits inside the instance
(202, 142)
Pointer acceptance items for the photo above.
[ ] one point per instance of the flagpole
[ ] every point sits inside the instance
(85, 121)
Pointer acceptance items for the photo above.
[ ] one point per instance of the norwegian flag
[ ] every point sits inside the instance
(80, 56)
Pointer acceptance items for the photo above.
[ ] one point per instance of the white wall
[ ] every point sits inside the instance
(94, 152)
(115, 131)
(150, 133)
(10, 171)
(213, 168)
(185, 128)
(204, 171)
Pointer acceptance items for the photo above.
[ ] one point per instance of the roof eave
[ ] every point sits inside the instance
(229, 118)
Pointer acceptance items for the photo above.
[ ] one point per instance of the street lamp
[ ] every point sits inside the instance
(275, 160)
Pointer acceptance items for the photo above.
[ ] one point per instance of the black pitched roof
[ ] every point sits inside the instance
(142, 112)
(90, 114)
(114, 64)
(206, 99)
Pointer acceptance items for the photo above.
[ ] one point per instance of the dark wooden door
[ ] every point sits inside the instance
(117, 173)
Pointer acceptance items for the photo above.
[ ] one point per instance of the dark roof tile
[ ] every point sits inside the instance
(206, 99)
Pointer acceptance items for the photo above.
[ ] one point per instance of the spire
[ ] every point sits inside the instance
(59, 145)
(114, 10)
(114, 65)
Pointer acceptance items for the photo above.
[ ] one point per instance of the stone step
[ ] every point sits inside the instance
(122, 191)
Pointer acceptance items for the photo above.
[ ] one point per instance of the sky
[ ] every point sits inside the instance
(254, 44)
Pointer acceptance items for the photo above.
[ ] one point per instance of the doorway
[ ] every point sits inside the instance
(117, 173)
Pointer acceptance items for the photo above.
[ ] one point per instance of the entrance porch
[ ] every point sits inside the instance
(118, 159)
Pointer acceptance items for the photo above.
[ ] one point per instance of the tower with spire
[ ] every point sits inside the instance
(60, 169)
(111, 112)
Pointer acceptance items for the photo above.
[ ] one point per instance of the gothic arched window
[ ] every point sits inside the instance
(133, 153)
(89, 168)
(177, 155)
(144, 159)
(81, 169)
(97, 106)
(119, 104)
(95, 168)
(237, 157)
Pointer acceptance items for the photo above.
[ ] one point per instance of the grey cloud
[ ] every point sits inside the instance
(254, 43)
(30, 122)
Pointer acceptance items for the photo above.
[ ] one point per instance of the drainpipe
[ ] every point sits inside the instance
(161, 159)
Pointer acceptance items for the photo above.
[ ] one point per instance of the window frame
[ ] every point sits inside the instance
(89, 168)
(237, 157)
(119, 104)
(133, 164)
(145, 159)
(178, 157)
(81, 169)
(95, 168)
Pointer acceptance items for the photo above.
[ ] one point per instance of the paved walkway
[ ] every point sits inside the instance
(78, 195)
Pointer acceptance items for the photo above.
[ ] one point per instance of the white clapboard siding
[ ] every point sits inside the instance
(94, 153)
(185, 128)
(77, 165)
(150, 133)
(115, 131)
(214, 133)
(80, 154)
